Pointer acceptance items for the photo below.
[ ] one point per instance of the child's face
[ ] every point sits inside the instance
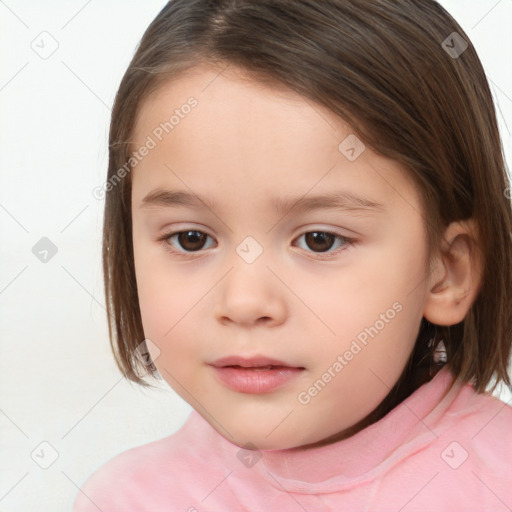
(258, 282)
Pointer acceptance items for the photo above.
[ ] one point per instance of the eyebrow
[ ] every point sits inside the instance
(336, 200)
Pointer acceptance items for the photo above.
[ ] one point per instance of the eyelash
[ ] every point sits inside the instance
(347, 242)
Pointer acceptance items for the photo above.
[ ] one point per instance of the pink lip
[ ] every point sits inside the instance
(240, 374)
(248, 362)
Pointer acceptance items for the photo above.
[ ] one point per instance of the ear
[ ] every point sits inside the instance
(455, 279)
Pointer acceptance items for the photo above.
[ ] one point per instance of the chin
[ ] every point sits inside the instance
(257, 437)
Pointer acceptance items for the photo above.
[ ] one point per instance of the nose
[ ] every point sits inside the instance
(250, 294)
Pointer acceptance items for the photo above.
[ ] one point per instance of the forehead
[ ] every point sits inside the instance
(246, 137)
(230, 103)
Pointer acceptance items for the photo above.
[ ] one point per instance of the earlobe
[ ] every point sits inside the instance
(455, 281)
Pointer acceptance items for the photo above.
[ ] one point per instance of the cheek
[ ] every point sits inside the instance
(158, 289)
(375, 310)
(158, 294)
(166, 324)
(376, 277)
(167, 300)
(164, 305)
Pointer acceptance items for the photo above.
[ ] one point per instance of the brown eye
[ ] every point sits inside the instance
(191, 240)
(323, 241)
(188, 241)
(319, 240)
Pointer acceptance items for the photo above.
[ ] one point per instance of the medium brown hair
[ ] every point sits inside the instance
(383, 67)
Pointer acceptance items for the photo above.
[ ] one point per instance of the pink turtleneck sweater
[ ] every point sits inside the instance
(428, 454)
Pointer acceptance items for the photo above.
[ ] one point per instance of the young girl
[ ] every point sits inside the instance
(307, 235)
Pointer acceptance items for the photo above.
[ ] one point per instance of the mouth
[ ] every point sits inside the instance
(252, 363)
(255, 368)
(254, 375)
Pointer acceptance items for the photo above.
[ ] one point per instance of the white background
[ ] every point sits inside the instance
(58, 380)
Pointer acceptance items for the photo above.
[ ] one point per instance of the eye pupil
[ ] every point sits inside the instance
(195, 237)
(319, 237)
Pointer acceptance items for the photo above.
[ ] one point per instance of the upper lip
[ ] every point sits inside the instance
(249, 362)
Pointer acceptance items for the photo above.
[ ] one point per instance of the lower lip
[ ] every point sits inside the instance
(255, 381)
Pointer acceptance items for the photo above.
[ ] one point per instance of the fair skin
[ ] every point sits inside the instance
(244, 145)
